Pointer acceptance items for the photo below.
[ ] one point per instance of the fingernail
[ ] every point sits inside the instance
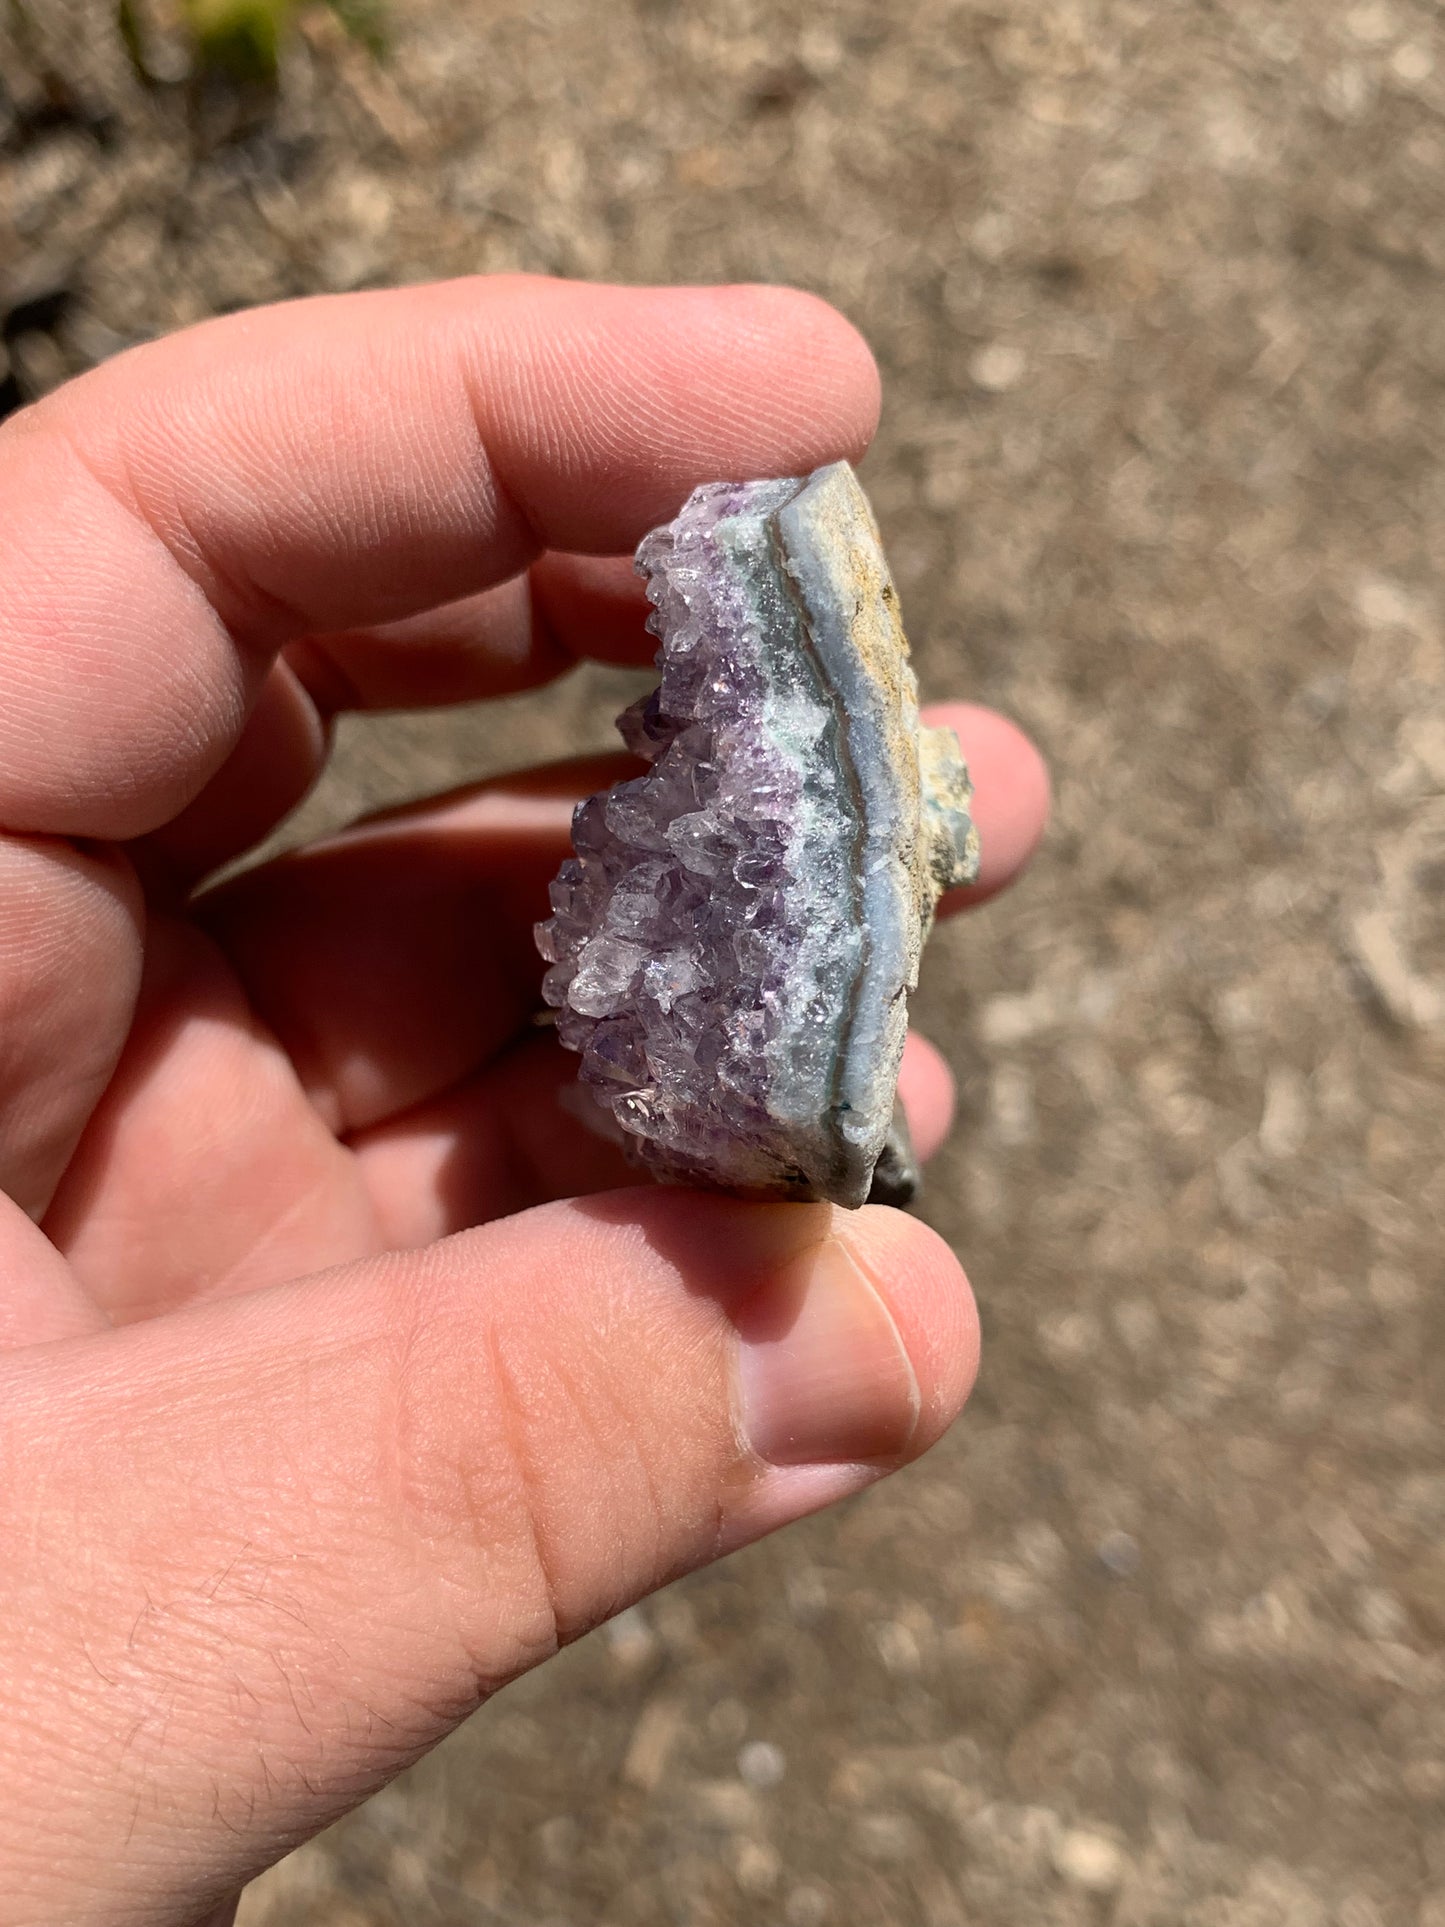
(822, 1373)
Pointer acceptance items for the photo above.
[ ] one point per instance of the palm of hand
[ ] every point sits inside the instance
(330, 1059)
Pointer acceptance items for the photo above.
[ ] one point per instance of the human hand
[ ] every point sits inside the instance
(325, 1407)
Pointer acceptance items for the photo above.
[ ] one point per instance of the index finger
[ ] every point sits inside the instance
(176, 516)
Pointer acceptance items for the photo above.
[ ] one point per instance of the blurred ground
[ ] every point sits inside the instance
(1156, 1636)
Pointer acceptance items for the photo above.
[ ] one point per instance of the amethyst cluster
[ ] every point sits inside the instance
(733, 942)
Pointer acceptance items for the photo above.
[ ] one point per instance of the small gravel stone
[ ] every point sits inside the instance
(756, 1867)
(887, 1838)
(1088, 1860)
(806, 1907)
(630, 1639)
(1118, 1554)
(997, 368)
(761, 1764)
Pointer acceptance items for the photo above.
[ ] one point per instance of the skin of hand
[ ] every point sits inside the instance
(342, 1378)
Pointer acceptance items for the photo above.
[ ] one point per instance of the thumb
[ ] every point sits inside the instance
(272, 1548)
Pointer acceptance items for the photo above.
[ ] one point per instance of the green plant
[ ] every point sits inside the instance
(245, 38)
(239, 37)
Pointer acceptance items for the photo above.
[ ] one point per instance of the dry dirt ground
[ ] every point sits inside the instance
(1157, 1637)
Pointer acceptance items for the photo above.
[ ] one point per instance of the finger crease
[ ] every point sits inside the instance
(252, 616)
(325, 678)
(507, 501)
(510, 1401)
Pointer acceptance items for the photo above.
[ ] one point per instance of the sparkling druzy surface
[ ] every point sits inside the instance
(734, 940)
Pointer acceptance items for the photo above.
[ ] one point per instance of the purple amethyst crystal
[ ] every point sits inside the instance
(732, 944)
